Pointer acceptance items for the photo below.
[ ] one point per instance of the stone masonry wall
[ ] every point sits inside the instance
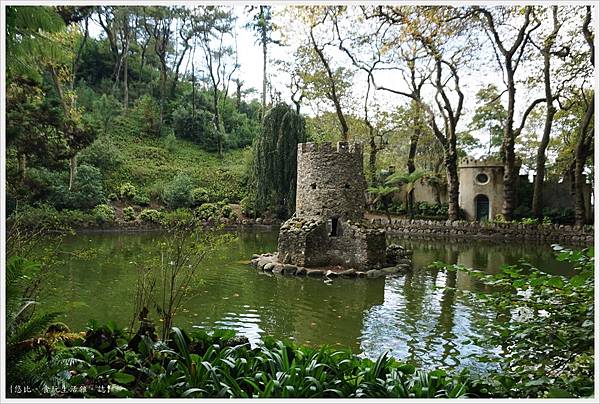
(330, 181)
(493, 231)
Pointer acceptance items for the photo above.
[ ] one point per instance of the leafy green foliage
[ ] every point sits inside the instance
(150, 216)
(544, 327)
(207, 211)
(146, 115)
(87, 191)
(102, 154)
(104, 213)
(221, 365)
(127, 191)
(128, 214)
(178, 192)
(273, 175)
(200, 196)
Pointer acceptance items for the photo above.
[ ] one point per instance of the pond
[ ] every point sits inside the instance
(423, 317)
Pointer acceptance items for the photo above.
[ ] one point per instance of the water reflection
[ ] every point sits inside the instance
(424, 317)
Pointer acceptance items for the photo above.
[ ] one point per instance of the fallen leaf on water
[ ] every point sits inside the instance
(236, 295)
(313, 324)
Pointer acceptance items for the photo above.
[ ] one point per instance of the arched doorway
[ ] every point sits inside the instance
(482, 208)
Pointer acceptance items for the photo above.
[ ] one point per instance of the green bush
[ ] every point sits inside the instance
(179, 216)
(248, 206)
(207, 211)
(145, 114)
(545, 328)
(227, 212)
(102, 154)
(150, 216)
(87, 190)
(178, 192)
(200, 196)
(200, 365)
(127, 191)
(104, 213)
(141, 200)
(170, 142)
(128, 214)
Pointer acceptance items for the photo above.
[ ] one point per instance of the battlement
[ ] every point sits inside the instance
(480, 162)
(327, 148)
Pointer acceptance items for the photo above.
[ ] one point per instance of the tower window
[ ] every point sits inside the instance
(313, 185)
(334, 227)
(482, 178)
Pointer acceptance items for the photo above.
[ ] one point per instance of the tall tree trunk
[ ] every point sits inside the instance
(264, 83)
(217, 121)
(125, 75)
(414, 139)
(372, 154)
(540, 169)
(508, 147)
(22, 166)
(582, 151)
(451, 163)
(72, 170)
(333, 95)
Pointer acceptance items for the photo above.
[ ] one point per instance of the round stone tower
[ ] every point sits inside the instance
(330, 181)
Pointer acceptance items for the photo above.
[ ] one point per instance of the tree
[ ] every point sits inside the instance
(547, 52)
(490, 116)
(585, 141)
(26, 39)
(212, 25)
(509, 57)
(434, 30)
(409, 181)
(274, 166)
(159, 29)
(263, 26)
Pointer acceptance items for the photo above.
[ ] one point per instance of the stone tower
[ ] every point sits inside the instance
(330, 182)
(481, 183)
(328, 228)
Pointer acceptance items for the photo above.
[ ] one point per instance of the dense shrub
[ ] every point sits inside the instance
(104, 213)
(102, 154)
(178, 192)
(170, 142)
(247, 205)
(207, 211)
(222, 365)
(128, 214)
(227, 212)
(46, 216)
(544, 328)
(150, 216)
(87, 190)
(146, 115)
(200, 130)
(141, 200)
(200, 196)
(127, 191)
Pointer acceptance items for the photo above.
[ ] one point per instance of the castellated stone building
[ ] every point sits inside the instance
(481, 187)
(328, 227)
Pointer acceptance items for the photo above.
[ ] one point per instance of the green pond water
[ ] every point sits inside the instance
(423, 317)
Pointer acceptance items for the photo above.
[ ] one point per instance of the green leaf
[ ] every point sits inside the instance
(120, 391)
(555, 282)
(123, 378)
(559, 393)
(407, 369)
